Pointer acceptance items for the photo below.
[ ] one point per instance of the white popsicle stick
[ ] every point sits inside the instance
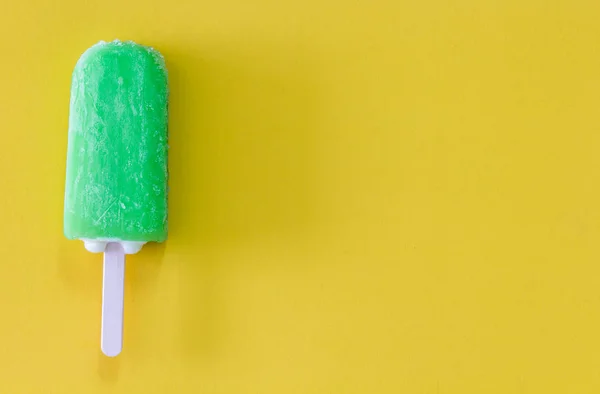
(113, 282)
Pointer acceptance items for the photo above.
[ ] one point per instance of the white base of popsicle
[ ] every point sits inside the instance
(113, 281)
(99, 245)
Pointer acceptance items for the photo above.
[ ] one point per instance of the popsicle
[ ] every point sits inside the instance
(116, 181)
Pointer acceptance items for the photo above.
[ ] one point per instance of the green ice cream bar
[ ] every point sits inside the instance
(116, 186)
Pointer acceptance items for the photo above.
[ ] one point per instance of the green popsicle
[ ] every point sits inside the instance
(116, 184)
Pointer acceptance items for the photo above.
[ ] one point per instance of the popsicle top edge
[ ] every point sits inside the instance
(100, 46)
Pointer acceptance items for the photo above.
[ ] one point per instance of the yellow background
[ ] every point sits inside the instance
(366, 197)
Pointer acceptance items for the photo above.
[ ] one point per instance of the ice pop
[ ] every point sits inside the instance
(116, 183)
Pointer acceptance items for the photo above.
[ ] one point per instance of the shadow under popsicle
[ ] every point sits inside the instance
(141, 274)
(242, 165)
(108, 368)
